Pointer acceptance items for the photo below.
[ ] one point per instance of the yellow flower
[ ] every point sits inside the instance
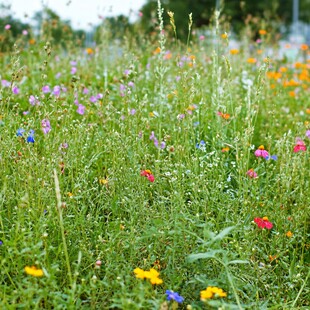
(224, 35)
(289, 234)
(151, 114)
(211, 292)
(33, 271)
(140, 273)
(206, 294)
(153, 276)
(69, 194)
(103, 181)
(265, 218)
(261, 147)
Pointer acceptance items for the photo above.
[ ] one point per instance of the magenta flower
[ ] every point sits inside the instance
(46, 89)
(46, 126)
(80, 109)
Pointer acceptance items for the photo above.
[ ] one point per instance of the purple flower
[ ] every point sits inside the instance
(46, 89)
(99, 96)
(93, 99)
(26, 112)
(177, 78)
(171, 295)
(64, 89)
(56, 90)
(308, 134)
(155, 142)
(58, 75)
(46, 126)
(85, 91)
(73, 63)
(73, 70)
(132, 111)
(80, 109)
(131, 84)
(152, 136)
(15, 90)
(127, 72)
(5, 83)
(181, 116)
(162, 144)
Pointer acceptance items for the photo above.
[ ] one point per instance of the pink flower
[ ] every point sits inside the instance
(80, 109)
(263, 223)
(300, 146)
(308, 134)
(148, 174)
(252, 174)
(261, 152)
(25, 32)
(7, 27)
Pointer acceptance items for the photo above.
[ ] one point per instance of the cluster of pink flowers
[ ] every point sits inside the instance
(300, 146)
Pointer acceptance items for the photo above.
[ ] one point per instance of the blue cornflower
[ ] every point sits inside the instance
(171, 295)
(20, 132)
(30, 138)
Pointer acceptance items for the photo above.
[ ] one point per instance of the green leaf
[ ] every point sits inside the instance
(238, 261)
(210, 254)
(226, 231)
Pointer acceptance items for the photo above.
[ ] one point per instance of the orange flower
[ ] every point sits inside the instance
(223, 115)
(251, 60)
(32, 41)
(262, 32)
(157, 50)
(89, 51)
(234, 51)
(225, 149)
(289, 234)
(304, 47)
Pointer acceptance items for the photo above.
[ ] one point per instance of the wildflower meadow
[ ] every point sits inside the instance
(146, 173)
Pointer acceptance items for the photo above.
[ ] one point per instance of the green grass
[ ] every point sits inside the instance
(57, 213)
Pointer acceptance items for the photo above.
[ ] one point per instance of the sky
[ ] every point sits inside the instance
(81, 13)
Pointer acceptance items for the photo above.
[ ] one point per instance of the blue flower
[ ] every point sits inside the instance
(274, 157)
(201, 144)
(171, 295)
(30, 138)
(20, 132)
